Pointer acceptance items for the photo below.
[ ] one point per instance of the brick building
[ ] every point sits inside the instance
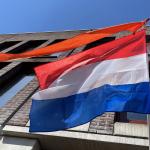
(18, 83)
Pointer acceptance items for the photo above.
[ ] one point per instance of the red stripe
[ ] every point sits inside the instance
(125, 47)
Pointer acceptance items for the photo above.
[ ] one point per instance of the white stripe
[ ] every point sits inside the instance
(114, 72)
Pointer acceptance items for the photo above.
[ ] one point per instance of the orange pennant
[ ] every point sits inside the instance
(77, 41)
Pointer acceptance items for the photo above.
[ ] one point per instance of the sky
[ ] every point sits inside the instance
(19, 16)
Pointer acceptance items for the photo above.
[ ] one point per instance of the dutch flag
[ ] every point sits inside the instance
(112, 77)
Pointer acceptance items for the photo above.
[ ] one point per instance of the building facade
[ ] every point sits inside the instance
(18, 83)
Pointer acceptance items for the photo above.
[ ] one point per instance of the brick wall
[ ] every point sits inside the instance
(103, 124)
(12, 106)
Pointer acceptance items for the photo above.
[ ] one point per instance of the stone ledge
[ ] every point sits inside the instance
(131, 129)
(13, 143)
(109, 139)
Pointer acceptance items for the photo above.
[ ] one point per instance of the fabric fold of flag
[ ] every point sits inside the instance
(77, 41)
(112, 77)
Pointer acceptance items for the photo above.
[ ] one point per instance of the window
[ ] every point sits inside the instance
(55, 55)
(136, 118)
(3, 64)
(98, 42)
(56, 41)
(130, 117)
(14, 87)
(27, 46)
(15, 80)
(8, 44)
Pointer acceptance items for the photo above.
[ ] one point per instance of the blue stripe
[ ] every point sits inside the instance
(63, 113)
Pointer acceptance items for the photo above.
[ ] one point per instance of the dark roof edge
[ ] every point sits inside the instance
(48, 32)
(80, 30)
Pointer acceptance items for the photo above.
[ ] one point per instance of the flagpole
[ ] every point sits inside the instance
(148, 122)
(148, 115)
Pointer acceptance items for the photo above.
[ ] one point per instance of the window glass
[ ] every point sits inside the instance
(27, 46)
(3, 64)
(8, 44)
(136, 117)
(99, 42)
(56, 55)
(14, 88)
